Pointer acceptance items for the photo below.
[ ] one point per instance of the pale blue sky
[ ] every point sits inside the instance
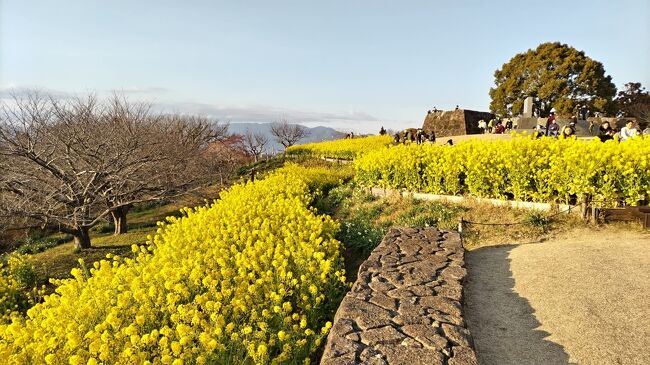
(349, 64)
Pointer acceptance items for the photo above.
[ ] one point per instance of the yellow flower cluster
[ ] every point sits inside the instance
(341, 148)
(251, 278)
(520, 168)
(15, 278)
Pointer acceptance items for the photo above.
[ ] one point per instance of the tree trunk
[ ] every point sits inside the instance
(119, 220)
(81, 238)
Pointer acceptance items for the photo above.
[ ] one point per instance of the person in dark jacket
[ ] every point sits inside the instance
(605, 132)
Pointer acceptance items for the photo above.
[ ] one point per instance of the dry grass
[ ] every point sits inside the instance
(56, 262)
(506, 225)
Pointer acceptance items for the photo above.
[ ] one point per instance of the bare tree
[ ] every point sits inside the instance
(254, 143)
(169, 160)
(69, 164)
(288, 134)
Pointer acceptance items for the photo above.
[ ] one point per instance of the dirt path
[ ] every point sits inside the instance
(583, 298)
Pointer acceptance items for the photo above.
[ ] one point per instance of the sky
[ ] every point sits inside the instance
(353, 65)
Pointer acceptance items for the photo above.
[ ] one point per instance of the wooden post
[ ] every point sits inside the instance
(584, 208)
(595, 213)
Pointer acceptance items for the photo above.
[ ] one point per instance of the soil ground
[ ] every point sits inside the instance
(580, 298)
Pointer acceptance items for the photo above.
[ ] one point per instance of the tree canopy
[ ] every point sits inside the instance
(634, 101)
(557, 76)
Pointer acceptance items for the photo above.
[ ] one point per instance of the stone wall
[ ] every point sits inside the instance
(406, 305)
(455, 122)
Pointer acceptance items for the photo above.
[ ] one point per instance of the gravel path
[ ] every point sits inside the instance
(583, 298)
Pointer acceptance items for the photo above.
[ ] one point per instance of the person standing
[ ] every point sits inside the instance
(628, 131)
(549, 121)
(583, 112)
(490, 125)
(482, 126)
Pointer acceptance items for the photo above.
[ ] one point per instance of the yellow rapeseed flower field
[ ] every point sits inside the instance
(520, 168)
(341, 148)
(251, 278)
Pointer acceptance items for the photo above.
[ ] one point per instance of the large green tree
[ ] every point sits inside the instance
(557, 76)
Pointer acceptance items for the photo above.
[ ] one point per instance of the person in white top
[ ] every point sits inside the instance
(482, 125)
(628, 131)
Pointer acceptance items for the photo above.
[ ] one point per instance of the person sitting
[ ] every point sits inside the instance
(568, 132)
(538, 131)
(499, 129)
(605, 132)
(628, 131)
(382, 131)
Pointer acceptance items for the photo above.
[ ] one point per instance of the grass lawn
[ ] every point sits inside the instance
(56, 262)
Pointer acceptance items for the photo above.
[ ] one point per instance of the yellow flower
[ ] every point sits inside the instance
(202, 275)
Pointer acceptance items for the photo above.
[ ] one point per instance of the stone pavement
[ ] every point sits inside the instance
(406, 305)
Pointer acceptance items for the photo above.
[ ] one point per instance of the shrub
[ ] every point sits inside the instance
(17, 281)
(32, 246)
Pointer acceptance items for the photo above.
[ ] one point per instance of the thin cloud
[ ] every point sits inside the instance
(264, 114)
(140, 90)
(356, 121)
(12, 91)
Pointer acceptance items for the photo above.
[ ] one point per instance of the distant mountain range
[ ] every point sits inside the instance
(316, 134)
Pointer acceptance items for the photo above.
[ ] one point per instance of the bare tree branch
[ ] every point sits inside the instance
(68, 164)
(288, 134)
(254, 143)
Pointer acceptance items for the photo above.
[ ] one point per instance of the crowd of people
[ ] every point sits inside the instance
(605, 131)
(414, 135)
(497, 126)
